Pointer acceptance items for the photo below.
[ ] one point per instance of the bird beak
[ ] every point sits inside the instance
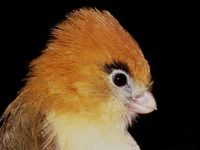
(144, 103)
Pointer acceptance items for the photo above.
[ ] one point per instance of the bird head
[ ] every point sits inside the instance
(93, 67)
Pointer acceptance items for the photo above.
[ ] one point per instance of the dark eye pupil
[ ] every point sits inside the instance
(120, 79)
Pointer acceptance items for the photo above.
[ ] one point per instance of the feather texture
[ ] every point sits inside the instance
(67, 103)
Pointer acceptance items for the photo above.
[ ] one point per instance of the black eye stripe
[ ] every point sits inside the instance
(116, 65)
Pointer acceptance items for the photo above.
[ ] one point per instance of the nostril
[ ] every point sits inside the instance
(138, 96)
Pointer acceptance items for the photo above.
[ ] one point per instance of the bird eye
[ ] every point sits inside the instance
(119, 79)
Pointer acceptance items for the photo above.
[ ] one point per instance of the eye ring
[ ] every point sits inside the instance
(119, 79)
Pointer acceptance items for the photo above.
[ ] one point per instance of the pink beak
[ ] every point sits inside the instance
(144, 103)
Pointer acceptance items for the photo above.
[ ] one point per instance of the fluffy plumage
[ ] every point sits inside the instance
(69, 101)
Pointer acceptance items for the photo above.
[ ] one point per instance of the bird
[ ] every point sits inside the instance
(89, 84)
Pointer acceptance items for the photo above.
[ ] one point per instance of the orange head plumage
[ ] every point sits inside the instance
(92, 71)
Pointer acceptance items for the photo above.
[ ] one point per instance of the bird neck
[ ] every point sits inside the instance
(80, 133)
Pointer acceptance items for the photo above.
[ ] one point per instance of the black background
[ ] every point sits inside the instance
(167, 33)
